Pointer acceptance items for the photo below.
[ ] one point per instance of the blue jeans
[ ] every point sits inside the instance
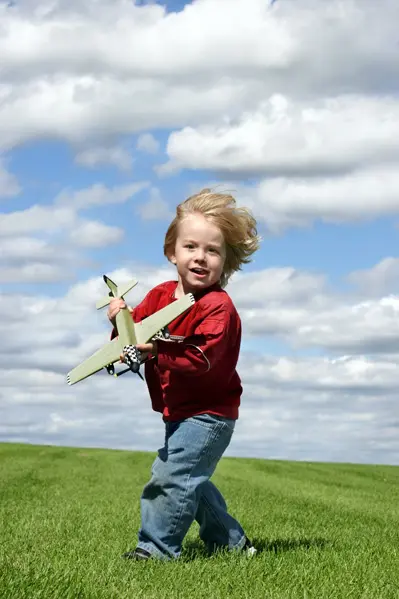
(180, 491)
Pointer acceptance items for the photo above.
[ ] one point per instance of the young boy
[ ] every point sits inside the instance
(192, 378)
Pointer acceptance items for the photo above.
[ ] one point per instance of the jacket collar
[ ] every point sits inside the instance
(198, 294)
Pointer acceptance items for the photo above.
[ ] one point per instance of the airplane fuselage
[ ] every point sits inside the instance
(125, 327)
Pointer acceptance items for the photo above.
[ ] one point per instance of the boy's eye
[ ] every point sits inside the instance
(189, 246)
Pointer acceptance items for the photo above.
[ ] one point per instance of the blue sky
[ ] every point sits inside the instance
(46, 168)
(310, 146)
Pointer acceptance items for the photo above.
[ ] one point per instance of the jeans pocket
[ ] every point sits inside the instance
(218, 435)
(212, 421)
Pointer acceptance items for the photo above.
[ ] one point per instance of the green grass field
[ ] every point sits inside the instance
(321, 530)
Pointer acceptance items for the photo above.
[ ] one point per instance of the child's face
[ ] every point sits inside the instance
(199, 253)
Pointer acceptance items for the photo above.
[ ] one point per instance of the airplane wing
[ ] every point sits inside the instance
(107, 354)
(148, 327)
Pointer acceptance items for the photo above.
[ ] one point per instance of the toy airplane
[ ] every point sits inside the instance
(130, 334)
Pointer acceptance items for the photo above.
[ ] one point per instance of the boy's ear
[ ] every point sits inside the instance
(172, 258)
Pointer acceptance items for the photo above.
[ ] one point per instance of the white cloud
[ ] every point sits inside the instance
(303, 310)
(37, 218)
(289, 138)
(52, 257)
(95, 234)
(369, 326)
(383, 278)
(156, 208)
(34, 272)
(82, 65)
(98, 156)
(76, 106)
(298, 202)
(19, 249)
(329, 426)
(147, 143)
(83, 295)
(350, 374)
(293, 407)
(283, 285)
(35, 260)
(99, 195)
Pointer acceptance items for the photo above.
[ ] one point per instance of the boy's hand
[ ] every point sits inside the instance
(144, 356)
(148, 348)
(115, 305)
(145, 349)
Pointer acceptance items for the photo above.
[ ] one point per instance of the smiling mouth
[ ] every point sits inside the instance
(199, 271)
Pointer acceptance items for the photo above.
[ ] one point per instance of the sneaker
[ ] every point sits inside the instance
(137, 554)
(248, 548)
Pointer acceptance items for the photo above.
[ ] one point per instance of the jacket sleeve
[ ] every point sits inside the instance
(200, 352)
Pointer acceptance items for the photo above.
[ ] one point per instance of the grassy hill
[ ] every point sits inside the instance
(322, 530)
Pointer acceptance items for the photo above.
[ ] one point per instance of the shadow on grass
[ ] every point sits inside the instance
(281, 545)
(195, 549)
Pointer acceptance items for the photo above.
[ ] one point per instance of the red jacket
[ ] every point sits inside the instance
(197, 372)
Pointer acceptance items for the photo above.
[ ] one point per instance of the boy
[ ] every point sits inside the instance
(192, 378)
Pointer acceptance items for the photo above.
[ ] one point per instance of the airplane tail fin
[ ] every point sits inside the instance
(115, 291)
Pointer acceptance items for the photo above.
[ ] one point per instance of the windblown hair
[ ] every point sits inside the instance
(237, 225)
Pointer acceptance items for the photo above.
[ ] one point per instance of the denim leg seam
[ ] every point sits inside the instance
(215, 433)
(178, 517)
(215, 514)
(211, 437)
(243, 539)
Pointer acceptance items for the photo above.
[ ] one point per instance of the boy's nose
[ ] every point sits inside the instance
(200, 256)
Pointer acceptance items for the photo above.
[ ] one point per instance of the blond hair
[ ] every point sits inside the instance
(237, 225)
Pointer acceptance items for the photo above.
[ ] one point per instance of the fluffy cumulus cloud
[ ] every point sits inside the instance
(155, 208)
(33, 247)
(131, 67)
(42, 243)
(286, 137)
(292, 406)
(381, 279)
(97, 156)
(147, 143)
(95, 234)
(98, 195)
(292, 104)
(309, 159)
(302, 309)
